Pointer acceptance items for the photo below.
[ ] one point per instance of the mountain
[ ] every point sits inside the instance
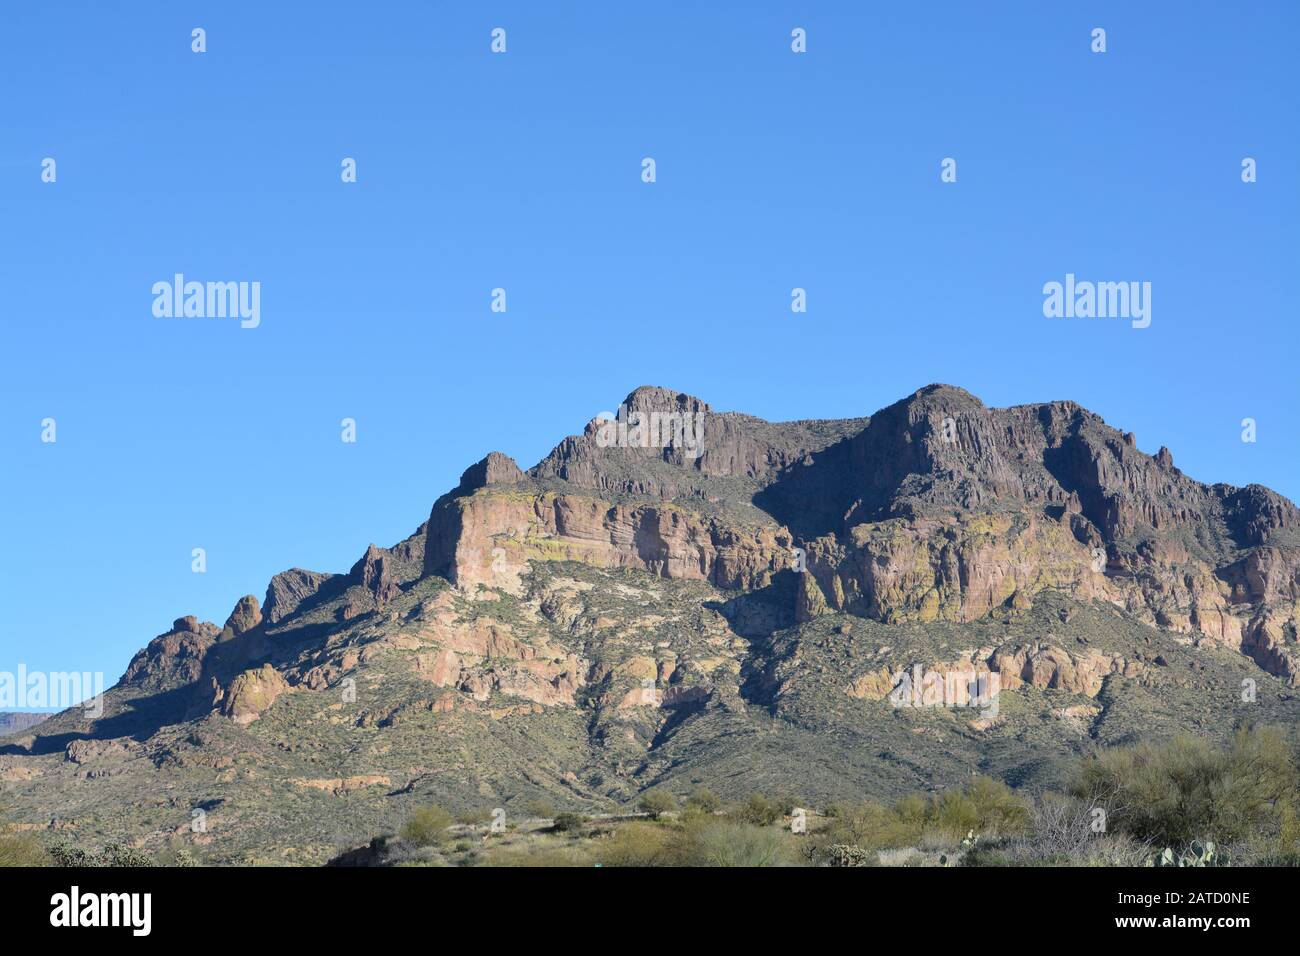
(689, 597)
(11, 723)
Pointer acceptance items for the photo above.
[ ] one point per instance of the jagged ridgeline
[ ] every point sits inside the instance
(682, 597)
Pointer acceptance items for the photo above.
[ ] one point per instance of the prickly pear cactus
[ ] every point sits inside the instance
(1199, 853)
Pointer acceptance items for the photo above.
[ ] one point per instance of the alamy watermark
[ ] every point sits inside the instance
(208, 300)
(40, 690)
(921, 687)
(682, 430)
(1100, 300)
(75, 908)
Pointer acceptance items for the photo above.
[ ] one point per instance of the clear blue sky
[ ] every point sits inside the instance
(522, 171)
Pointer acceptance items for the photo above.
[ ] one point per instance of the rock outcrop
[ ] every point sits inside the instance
(173, 659)
(374, 572)
(1041, 665)
(289, 589)
(251, 694)
(489, 538)
(246, 616)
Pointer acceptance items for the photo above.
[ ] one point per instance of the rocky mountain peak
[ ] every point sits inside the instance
(494, 469)
(375, 573)
(287, 591)
(246, 615)
(173, 658)
(653, 398)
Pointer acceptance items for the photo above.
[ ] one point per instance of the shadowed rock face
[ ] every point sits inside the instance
(942, 449)
(639, 602)
(289, 589)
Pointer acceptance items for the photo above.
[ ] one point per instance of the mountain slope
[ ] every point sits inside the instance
(687, 597)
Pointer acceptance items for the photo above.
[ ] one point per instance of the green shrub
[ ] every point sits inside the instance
(1190, 790)
(641, 844)
(788, 804)
(984, 805)
(177, 854)
(111, 855)
(724, 843)
(565, 822)
(911, 810)
(427, 826)
(657, 802)
(869, 826)
(704, 800)
(757, 811)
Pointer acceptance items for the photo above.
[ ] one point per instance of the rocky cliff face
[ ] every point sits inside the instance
(936, 508)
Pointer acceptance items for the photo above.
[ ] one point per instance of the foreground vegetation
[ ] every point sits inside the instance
(1185, 803)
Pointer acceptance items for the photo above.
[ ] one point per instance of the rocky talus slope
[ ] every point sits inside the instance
(694, 597)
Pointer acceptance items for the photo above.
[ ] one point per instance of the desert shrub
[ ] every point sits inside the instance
(20, 849)
(789, 804)
(725, 843)
(565, 822)
(704, 800)
(1062, 828)
(757, 811)
(657, 802)
(1114, 849)
(177, 854)
(426, 826)
(111, 855)
(984, 806)
(1003, 851)
(641, 844)
(1188, 789)
(911, 810)
(869, 826)
(474, 818)
(1106, 849)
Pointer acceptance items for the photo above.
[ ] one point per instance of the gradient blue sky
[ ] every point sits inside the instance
(522, 170)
